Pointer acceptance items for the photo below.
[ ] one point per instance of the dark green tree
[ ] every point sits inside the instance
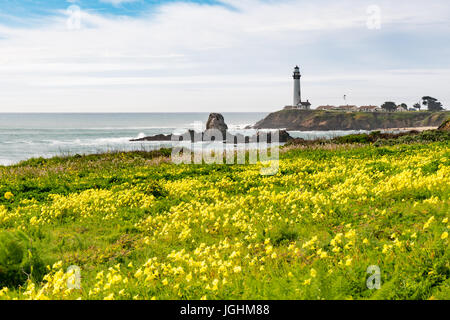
(389, 106)
(432, 103)
(417, 106)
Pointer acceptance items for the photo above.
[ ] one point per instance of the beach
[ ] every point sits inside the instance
(407, 129)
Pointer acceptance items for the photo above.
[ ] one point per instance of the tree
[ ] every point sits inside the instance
(417, 106)
(389, 106)
(432, 103)
(404, 105)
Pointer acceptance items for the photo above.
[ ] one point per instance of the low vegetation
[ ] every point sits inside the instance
(380, 139)
(140, 227)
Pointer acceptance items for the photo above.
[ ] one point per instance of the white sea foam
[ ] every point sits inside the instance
(90, 142)
(239, 126)
(6, 162)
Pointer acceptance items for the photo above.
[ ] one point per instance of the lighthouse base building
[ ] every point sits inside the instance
(298, 104)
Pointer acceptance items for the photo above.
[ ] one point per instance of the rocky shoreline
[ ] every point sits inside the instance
(217, 130)
(317, 120)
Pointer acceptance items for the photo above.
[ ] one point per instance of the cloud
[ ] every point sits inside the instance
(186, 56)
(117, 2)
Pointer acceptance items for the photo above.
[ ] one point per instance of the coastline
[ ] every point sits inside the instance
(31, 136)
(420, 129)
(317, 120)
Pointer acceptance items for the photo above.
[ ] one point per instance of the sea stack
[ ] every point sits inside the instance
(216, 121)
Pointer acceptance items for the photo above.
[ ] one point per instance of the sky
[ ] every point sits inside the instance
(219, 55)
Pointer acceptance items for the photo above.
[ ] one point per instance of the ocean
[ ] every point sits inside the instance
(30, 135)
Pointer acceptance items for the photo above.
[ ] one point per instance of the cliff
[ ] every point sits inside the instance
(306, 120)
(445, 126)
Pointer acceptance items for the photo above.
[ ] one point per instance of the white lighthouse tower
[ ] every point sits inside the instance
(297, 92)
(298, 104)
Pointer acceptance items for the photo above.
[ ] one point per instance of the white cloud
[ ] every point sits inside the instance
(192, 57)
(117, 2)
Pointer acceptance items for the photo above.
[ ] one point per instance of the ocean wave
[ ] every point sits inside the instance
(87, 142)
(239, 126)
(6, 162)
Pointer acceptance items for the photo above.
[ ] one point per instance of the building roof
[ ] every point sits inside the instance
(325, 107)
(368, 107)
(347, 107)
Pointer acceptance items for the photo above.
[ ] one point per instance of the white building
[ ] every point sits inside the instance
(297, 103)
(370, 109)
(297, 89)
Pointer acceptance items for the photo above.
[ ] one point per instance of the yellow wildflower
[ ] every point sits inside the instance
(8, 195)
(427, 224)
(109, 297)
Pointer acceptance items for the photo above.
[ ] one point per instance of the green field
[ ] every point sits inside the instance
(140, 227)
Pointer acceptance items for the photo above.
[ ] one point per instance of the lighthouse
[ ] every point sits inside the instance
(297, 92)
(298, 104)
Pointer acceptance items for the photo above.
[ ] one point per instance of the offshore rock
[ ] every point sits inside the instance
(216, 121)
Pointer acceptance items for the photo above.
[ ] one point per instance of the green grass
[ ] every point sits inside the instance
(99, 211)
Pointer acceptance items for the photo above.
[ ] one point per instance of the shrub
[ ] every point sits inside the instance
(18, 260)
(354, 138)
(423, 137)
